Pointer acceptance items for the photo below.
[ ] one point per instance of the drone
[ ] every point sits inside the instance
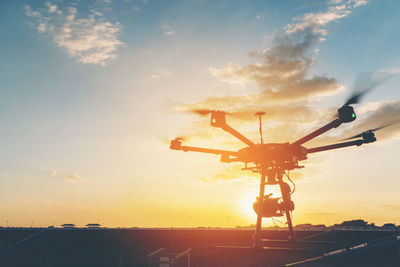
(273, 161)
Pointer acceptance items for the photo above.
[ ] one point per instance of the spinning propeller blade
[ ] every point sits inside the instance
(201, 112)
(365, 82)
(168, 140)
(372, 130)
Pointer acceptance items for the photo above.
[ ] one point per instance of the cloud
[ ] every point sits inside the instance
(241, 109)
(90, 39)
(235, 173)
(168, 30)
(389, 207)
(159, 74)
(317, 21)
(280, 74)
(231, 173)
(62, 174)
(74, 177)
(170, 33)
(52, 8)
(30, 13)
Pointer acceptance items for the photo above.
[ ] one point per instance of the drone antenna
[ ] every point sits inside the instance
(259, 114)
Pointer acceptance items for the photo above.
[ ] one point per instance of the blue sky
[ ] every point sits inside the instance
(89, 89)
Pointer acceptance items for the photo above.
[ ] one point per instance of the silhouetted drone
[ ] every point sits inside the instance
(274, 160)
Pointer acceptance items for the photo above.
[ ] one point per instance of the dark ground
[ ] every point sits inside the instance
(123, 248)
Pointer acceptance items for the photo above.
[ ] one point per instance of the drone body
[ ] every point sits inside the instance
(274, 160)
(283, 156)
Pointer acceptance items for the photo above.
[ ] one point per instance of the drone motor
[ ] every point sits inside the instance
(218, 119)
(346, 114)
(368, 136)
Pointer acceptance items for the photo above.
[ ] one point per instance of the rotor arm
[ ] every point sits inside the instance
(238, 135)
(208, 150)
(333, 124)
(218, 120)
(335, 146)
(226, 155)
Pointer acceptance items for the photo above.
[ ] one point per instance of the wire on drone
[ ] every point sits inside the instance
(294, 185)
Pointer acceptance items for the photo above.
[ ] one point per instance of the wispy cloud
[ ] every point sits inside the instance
(235, 173)
(159, 74)
(53, 8)
(168, 29)
(90, 38)
(74, 177)
(170, 33)
(389, 207)
(281, 74)
(231, 173)
(62, 174)
(65, 175)
(317, 21)
(282, 71)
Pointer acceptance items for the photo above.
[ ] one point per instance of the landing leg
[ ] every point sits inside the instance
(285, 192)
(290, 226)
(257, 234)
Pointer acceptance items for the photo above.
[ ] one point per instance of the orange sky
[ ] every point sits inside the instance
(91, 93)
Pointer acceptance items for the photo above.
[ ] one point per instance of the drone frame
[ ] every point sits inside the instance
(273, 160)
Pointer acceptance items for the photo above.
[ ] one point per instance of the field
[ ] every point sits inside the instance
(129, 247)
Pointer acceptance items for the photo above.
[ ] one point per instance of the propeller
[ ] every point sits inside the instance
(201, 112)
(372, 130)
(204, 112)
(365, 82)
(168, 140)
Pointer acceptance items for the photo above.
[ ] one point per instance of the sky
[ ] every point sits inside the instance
(91, 92)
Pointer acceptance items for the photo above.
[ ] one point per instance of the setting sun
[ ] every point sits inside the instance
(246, 200)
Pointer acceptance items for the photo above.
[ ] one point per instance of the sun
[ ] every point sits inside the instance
(245, 205)
(246, 200)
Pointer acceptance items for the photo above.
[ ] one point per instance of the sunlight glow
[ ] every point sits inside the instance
(245, 201)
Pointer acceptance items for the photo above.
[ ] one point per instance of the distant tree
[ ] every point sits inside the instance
(68, 225)
(93, 225)
(389, 225)
(354, 223)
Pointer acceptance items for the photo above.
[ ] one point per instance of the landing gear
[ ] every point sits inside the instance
(268, 207)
